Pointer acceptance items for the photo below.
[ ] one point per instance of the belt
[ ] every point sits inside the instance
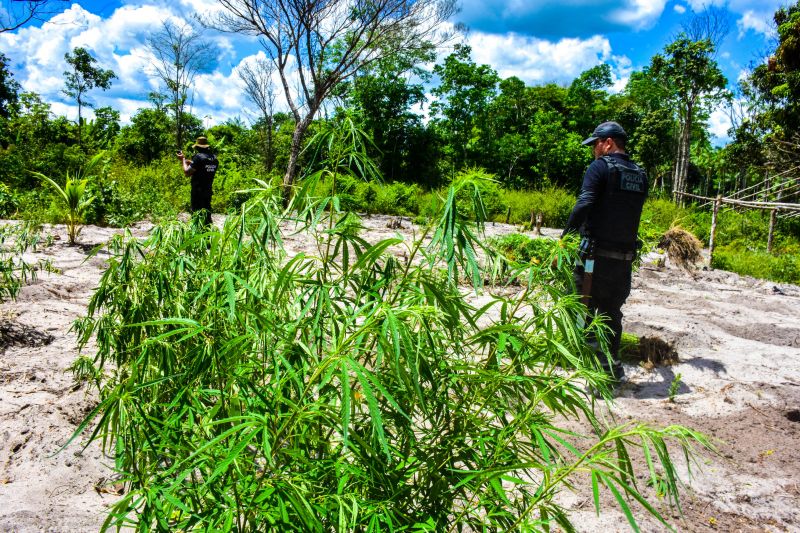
(611, 254)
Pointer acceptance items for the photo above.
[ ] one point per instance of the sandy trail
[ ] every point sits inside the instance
(738, 340)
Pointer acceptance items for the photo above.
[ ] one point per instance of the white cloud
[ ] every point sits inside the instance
(753, 15)
(719, 122)
(758, 22)
(621, 70)
(679, 9)
(118, 42)
(639, 14)
(537, 60)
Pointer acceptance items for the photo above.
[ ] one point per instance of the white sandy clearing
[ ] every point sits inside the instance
(738, 340)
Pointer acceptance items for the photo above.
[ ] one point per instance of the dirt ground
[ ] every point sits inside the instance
(737, 338)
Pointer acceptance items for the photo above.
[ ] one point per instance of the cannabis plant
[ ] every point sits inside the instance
(74, 196)
(15, 240)
(353, 388)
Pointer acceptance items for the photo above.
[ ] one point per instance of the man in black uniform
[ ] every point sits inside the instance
(607, 216)
(202, 169)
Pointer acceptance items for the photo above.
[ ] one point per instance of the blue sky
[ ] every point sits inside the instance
(536, 40)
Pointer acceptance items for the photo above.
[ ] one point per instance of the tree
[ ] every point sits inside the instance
(695, 82)
(321, 43)
(774, 93)
(260, 89)
(9, 88)
(84, 77)
(105, 127)
(464, 94)
(586, 98)
(510, 116)
(384, 94)
(147, 138)
(559, 157)
(180, 55)
(646, 111)
(16, 13)
(712, 23)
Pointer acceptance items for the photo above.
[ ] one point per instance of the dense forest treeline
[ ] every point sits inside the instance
(526, 137)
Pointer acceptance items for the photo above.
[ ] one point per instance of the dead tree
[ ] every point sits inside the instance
(260, 89)
(320, 43)
(180, 54)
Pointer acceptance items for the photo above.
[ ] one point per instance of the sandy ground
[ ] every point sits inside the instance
(738, 340)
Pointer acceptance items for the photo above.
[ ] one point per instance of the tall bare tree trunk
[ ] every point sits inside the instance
(294, 154)
(270, 155)
(682, 161)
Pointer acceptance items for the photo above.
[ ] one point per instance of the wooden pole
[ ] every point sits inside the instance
(711, 239)
(773, 215)
(508, 215)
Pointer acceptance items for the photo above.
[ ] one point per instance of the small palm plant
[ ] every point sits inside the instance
(74, 195)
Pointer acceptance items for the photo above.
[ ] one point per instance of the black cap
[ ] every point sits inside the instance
(606, 130)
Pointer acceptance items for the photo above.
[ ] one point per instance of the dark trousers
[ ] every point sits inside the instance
(201, 201)
(611, 285)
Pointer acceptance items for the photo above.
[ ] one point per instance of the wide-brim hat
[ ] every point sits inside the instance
(606, 130)
(201, 142)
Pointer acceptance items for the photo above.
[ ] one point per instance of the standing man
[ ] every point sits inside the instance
(607, 215)
(202, 169)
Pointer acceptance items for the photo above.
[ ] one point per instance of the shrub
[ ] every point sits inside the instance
(234, 184)
(554, 204)
(9, 203)
(397, 199)
(491, 199)
(159, 189)
(110, 206)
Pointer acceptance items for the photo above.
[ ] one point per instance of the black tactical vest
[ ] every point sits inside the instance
(205, 167)
(614, 219)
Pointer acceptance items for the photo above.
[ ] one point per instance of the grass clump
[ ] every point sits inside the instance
(647, 352)
(737, 258)
(245, 390)
(682, 248)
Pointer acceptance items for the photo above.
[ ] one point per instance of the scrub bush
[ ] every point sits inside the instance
(521, 248)
(554, 204)
(8, 201)
(397, 199)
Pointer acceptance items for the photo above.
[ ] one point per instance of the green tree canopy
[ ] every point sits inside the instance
(84, 76)
(464, 93)
(694, 83)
